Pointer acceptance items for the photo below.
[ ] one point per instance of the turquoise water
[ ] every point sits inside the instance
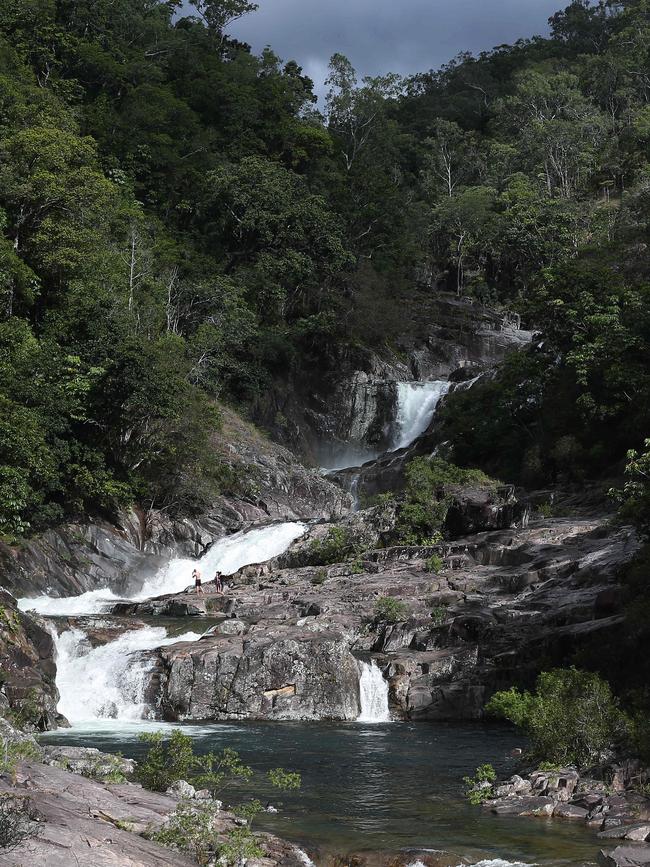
(382, 788)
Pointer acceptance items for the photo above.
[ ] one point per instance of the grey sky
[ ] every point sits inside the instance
(403, 36)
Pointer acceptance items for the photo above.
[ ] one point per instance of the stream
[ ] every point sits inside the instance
(370, 785)
(378, 787)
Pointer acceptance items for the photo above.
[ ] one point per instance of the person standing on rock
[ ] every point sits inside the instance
(197, 581)
(218, 583)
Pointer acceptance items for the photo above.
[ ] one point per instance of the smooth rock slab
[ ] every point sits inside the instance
(625, 856)
(541, 806)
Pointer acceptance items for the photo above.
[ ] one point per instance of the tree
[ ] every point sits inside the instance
(571, 719)
(355, 113)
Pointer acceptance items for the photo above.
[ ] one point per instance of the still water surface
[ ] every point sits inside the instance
(383, 787)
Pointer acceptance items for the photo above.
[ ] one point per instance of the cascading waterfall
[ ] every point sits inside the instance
(109, 681)
(416, 404)
(228, 555)
(373, 693)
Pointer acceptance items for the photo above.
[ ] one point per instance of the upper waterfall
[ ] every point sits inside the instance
(416, 404)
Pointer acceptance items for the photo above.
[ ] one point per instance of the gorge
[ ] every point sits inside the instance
(368, 354)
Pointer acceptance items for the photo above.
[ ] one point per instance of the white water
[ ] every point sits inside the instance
(227, 555)
(373, 691)
(107, 682)
(416, 404)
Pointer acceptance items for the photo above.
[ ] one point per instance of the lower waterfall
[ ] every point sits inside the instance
(373, 694)
(228, 555)
(108, 681)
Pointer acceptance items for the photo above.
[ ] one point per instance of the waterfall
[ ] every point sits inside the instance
(108, 681)
(228, 555)
(416, 404)
(373, 692)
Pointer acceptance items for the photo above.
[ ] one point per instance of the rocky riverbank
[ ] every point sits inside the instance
(616, 805)
(75, 812)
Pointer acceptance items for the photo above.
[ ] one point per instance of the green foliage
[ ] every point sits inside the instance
(438, 614)
(479, 788)
(634, 498)
(429, 482)
(571, 719)
(12, 752)
(435, 564)
(338, 546)
(173, 759)
(191, 829)
(240, 846)
(284, 780)
(390, 610)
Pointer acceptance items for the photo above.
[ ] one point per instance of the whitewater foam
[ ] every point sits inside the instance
(227, 555)
(109, 681)
(416, 405)
(373, 694)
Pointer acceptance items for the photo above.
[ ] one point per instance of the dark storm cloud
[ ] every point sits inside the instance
(403, 36)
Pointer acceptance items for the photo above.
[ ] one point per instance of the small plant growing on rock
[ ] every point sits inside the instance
(319, 578)
(571, 719)
(439, 615)
(338, 546)
(191, 829)
(390, 610)
(17, 822)
(480, 787)
(435, 564)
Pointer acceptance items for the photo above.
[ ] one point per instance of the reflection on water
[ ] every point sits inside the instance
(379, 787)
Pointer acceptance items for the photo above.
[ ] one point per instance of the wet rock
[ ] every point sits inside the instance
(625, 856)
(296, 675)
(533, 806)
(570, 811)
(88, 762)
(27, 667)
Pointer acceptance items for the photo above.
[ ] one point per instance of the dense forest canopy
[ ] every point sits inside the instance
(180, 222)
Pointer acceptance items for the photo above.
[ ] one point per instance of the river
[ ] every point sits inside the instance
(380, 787)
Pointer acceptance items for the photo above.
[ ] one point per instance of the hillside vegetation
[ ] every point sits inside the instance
(180, 222)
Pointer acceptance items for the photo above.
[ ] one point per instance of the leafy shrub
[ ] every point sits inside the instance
(285, 780)
(191, 829)
(337, 546)
(168, 761)
(435, 564)
(571, 719)
(390, 610)
(634, 499)
(423, 512)
(439, 615)
(480, 787)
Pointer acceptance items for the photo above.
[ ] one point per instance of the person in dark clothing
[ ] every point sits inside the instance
(218, 583)
(197, 581)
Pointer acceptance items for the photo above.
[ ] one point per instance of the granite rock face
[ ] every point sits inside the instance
(502, 600)
(85, 823)
(288, 674)
(28, 667)
(351, 398)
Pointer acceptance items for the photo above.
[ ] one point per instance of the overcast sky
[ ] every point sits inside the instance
(378, 36)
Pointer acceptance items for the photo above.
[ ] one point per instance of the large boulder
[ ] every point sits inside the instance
(27, 668)
(295, 675)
